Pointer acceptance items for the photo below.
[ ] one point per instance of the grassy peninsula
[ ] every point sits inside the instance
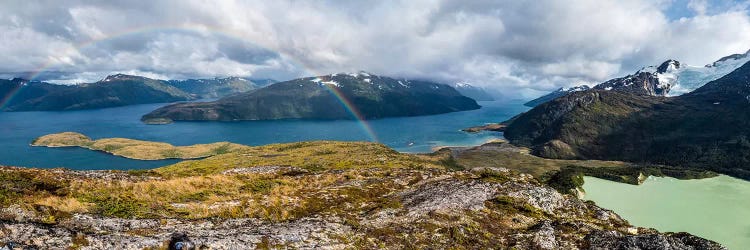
(136, 149)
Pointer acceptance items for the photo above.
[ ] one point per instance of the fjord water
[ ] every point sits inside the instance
(715, 208)
(405, 134)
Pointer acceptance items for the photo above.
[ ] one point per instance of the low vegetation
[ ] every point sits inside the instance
(564, 175)
(374, 196)
(275, 182)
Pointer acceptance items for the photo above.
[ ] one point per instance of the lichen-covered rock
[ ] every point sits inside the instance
(617, 240)
(448, 195)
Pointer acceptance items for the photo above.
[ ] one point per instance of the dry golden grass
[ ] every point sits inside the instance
(64, 204)
(64, 139)
(312, 156)
(353, 175)
(137, 149)
(313, 176)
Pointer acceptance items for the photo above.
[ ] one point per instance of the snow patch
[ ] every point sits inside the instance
(331, 82)
(463, 85)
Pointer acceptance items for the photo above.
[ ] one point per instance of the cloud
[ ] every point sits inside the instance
(699, 6)
(515, 47)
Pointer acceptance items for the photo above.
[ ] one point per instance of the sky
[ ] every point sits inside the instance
(518, 48)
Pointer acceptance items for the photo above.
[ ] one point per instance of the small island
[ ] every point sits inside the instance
(495, 127)
(136, 149)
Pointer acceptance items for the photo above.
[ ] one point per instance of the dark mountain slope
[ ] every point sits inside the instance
(115, 90)
(313, 98)
(17, 90)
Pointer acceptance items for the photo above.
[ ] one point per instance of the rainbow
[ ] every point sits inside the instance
(199, 29)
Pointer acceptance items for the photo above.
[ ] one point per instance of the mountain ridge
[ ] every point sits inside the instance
(706, 128)
(117, 90)
(319, 97)
(670, 78)
(471, 91)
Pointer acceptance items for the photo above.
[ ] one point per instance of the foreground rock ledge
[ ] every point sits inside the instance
(481, 208)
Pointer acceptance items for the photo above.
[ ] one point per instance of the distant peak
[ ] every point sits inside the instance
(465, 85)
(360, 73)
(667, 66)
(17, 79)
(728, 58)
(122, 77)
(582, 87)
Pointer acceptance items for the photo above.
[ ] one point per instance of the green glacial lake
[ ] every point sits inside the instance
(715, 208)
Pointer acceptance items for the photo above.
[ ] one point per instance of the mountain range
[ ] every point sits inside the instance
(706, 128)
(219, 87)
(370, 96)
(473, 92)
(116, 90)
(670, 78)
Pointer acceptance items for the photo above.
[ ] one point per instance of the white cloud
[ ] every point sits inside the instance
(512, 46)
(699, 6)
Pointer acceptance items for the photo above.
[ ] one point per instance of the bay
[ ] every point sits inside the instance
(405, 134)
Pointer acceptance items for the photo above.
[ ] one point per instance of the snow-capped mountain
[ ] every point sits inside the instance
(689, 78)
(555, 94)
(320, 97)
(672, 78)
(219, 87)
(471, 91)
(655, 81)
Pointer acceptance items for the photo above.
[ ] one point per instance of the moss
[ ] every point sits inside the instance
(565, 180)
(223, 149)
(171, 153)
(451, 164)
(260, 186)
(514, 205)
(196, 197)
(292, 146)
(112, 147)
(490, 175)
(16, 184)
(79, 241)
(314, 167)
(117, 205)
(324, 152)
